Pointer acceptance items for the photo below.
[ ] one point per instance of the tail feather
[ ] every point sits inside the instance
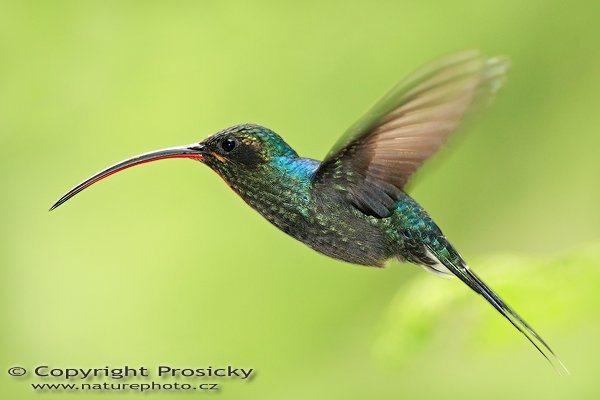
(462, 271)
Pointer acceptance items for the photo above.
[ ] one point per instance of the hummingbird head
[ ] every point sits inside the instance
(234, 153)
(243, 149)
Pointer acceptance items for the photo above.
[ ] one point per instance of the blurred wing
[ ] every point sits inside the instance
(375, 158)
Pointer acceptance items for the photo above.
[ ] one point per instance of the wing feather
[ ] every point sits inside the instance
(376, 157)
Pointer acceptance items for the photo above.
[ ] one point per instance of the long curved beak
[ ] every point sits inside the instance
(194, 151)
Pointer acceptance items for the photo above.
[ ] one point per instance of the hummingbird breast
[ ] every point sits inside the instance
(324, 222)
(324, 219)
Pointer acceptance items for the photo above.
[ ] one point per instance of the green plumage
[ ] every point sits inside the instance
(352, 206)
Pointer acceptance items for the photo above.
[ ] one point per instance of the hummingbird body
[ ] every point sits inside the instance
(283, 189)
(352, 206)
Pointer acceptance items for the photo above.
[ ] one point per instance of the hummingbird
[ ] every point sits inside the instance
(353, 205)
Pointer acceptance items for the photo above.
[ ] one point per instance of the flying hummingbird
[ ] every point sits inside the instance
(352, 206)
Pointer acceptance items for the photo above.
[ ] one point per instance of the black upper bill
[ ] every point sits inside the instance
(194, 151)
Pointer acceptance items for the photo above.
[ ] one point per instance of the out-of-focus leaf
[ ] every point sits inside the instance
(553, 295)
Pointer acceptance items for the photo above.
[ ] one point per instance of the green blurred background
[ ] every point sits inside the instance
(164, 264)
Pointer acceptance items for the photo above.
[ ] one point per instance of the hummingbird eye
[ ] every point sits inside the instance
(228, 145)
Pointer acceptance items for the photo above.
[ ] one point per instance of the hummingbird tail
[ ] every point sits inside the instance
(451, 260)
